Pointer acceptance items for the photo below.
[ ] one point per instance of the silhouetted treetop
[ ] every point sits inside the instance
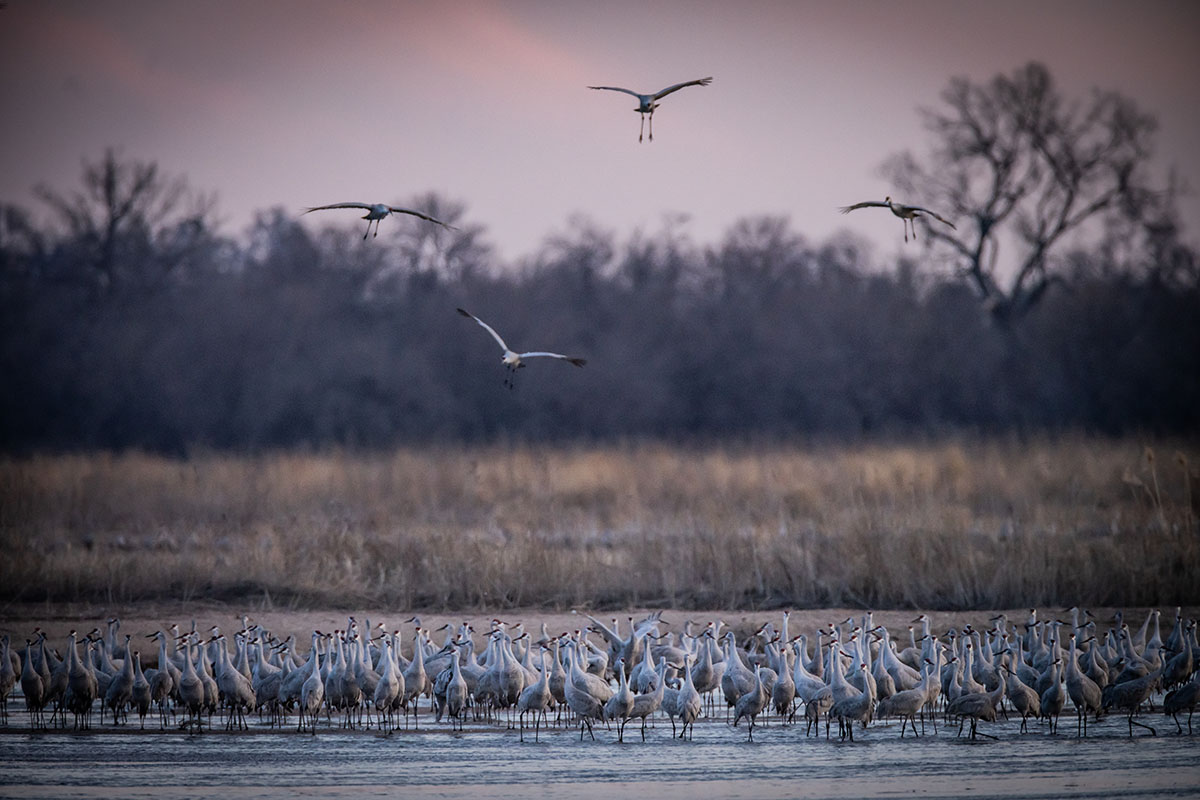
(1018, 163)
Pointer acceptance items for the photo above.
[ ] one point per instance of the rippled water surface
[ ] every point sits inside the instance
(491, 762)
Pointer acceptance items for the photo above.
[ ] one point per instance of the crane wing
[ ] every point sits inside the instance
(426, 217)
(698, 82)
(366, 206)
(608, 633)
(647, 624)
(579, 362)
(865, 204)
(618, 89)
(933, 214)
(486, 327)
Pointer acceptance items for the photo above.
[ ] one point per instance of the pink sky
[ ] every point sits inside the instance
(307, 103)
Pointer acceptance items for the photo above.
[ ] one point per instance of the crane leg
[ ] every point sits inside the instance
(643, 129)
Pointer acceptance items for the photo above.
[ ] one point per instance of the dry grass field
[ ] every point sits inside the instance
(952, 525)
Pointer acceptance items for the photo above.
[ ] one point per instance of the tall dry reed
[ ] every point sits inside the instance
(950, 525)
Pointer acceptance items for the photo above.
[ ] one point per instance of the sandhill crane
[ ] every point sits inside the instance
(1024, 699)
(648, 102)
(969, 684)
(388, 687)
(632, 648)
(839, 687)
(1096, 667)
(532, 673)
(587, 681)
(860, 676)
(212, 692)
(8, 676)
(1053, 698)
(52, 670)
(120, 689)
(342, 689)
(1139, 639)
(644, 675)
(1083, 691)
(751, 704)
(289, 687)
(312, 692)
(595, 660)
(416, 679)
(807, 684)
(612, 636)
(907, 703)
(1134, 665)
(620, 705)
(140, 696)
(364, 671)
(737, 678)
(783, 692)
(818, 703)
(377, 211)
(266, 679)
(684, 702)
(913, 655)
(558, 677)
(33, 688)
(645, 704)
(706, 675)
(1178, 667)
(82, 687)
(507, 677)
(906, 213)
(885, 684)
(535, 699)
(14, 659)
(854, 708)
(1185, 697)
(1129, 695)
(457, 696)
(982, 668)
(191, 688)
(513, 360)
(580, 699)
(235, 690)
(162, 682)
(976, 706)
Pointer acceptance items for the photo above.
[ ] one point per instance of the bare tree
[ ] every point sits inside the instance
(1024, 164)
(133, 223)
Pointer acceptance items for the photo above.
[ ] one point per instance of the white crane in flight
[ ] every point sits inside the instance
(906, 213)
(377, 211)
(513, 360)
(648, 102)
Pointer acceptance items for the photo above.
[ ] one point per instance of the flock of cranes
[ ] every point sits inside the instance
(647, 103)
(853, 673)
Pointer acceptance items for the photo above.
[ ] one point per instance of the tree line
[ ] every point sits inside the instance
(128, 321)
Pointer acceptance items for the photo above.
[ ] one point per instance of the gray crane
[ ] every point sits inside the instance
(1129, 695)
(377, 212)
(513, 360)
(535, 698)
(647, 103)
(751, 704)
(908, 214)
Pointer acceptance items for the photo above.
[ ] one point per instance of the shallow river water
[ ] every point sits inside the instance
(487, 762)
